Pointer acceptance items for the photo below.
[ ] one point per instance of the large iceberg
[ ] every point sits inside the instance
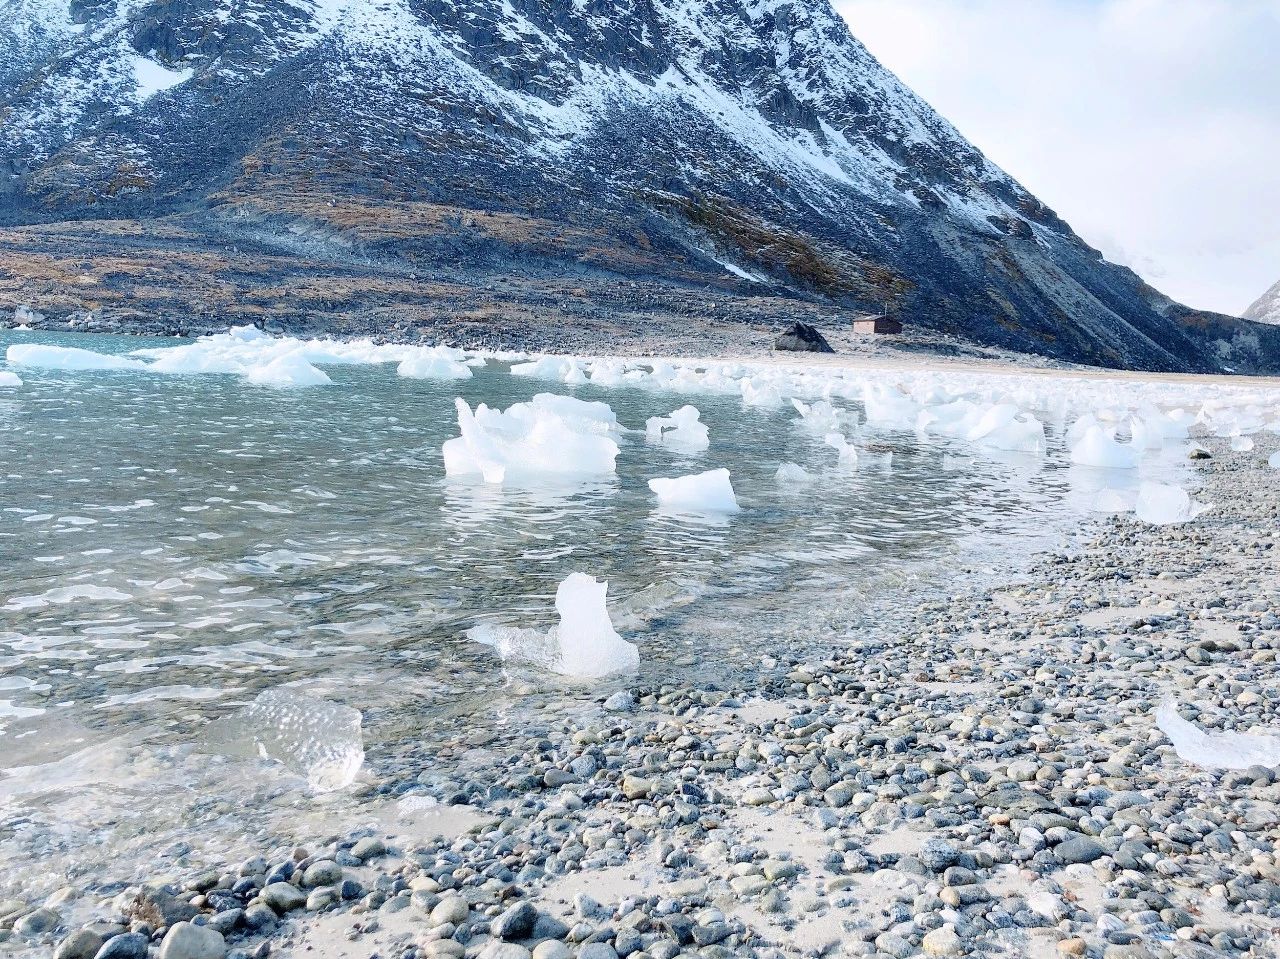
(1216, 750)
(683, 429)
(548, 436)
(792, 474)
(709, 492)
(1161, 504)
(309, 736)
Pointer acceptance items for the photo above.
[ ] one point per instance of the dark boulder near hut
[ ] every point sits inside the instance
(802, 338)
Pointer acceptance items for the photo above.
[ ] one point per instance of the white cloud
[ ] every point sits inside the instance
(1152, 126)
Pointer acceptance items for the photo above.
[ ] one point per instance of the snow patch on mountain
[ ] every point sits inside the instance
(1267, 308)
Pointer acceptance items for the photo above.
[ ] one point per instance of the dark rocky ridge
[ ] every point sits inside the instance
(330, 163)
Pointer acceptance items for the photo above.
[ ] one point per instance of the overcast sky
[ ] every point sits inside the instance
(1151, 126)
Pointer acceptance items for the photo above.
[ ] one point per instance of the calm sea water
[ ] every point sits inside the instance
(172, 546)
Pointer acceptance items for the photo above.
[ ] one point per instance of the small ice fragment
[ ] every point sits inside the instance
(309, 736)
(1274, 461)
(1098, 448)
(1216, 750)
(62, 595)
(759, 391)
(848, 454)
(551, 368)
(8, 380)
(709, 492)
(1005, 427)
(1161, 504)
(588, 644)
(1113, 501)
(67, 358)
(682, 429)
(584, 644)
(287, 371)
(433, 366)
(1241, 444)
(792, 474)
(820, 418)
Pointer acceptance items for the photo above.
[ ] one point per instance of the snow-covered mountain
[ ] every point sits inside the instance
(753, 143)
(1267, 307)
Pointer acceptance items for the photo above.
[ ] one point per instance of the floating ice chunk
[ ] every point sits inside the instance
(1241, 444)
(584, 644)
(792, 474)
(1098, 448)
(682, 429)
(709, 492)
(1162, 505)
(889, 406)
(248, 334)
(293, 370)
(309, 736)
(956, 418)
(61, 595)
(547, 368)
(433, 366)
(9, 380)
(606, 373)
(588, 644)
(820, 418)
(67, 358)
(1005, 427)
(550, 435)
(848, 454)
(759, 391)
(1216, 750)
(1274, 461)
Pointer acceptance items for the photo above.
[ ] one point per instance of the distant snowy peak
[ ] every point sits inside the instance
(1267, 308)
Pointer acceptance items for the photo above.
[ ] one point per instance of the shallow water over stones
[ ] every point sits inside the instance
(171, 546)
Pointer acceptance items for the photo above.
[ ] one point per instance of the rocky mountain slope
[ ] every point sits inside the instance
(1267, 307)
(322, 161)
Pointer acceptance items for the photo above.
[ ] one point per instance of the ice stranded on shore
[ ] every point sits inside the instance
(584, 645)
(309, 736)
(1162, 504)
(709, 492)
(1213, 750)
(1098, 448)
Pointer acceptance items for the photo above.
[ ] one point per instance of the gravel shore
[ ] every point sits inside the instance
(990, 782)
